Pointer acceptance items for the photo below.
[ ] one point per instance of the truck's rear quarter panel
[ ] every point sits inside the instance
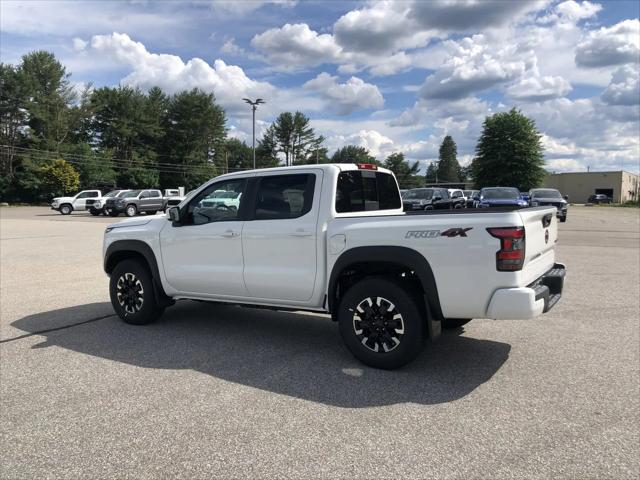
(464, 267)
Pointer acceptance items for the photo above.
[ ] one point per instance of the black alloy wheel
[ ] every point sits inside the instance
(378, 324)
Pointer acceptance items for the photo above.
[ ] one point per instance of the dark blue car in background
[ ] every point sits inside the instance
(501, 197)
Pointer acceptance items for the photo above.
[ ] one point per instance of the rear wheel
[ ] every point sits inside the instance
(453, 323)
(152, 212)
(94, 212)
(380, 323)
(131, 210)
(132, 294)
(563, 219)
(113, 213)
(66, 209)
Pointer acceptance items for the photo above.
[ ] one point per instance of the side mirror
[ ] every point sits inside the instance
(173, 214)
(566, 197)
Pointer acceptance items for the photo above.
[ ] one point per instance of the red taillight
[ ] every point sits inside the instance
(367, 166)
(510, 257)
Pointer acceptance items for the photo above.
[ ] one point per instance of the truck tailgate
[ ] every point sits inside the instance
(541, 235)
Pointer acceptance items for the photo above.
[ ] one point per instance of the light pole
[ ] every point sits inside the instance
(254, 107)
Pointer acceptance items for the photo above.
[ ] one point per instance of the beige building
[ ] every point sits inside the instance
(622, 186)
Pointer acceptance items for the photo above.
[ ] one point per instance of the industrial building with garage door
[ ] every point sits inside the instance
(621, 186)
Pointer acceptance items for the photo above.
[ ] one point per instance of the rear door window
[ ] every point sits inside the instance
(366, 190)
(284, 196)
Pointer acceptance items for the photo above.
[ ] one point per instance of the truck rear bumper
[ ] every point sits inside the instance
(528, 302)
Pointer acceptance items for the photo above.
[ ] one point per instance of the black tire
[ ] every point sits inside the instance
(132, 294)
(429, 207)
(113, 213)
(374, 297)
(66, 209)
(454, 323)
(152, 212)
(457, 205)
(131, 210)
(563, 219)
(94, 212)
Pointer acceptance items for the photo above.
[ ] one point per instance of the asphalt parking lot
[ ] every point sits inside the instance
(220, 391)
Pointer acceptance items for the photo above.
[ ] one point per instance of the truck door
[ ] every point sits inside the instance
(203, 255)
(279, 239)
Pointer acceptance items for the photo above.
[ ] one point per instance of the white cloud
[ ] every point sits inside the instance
(624, 88)
(379, 145)
(470, 15)
(228, 82)
(476, 64)
(345, 98)
(230, 47)
(296, 45)
(571, 12)
(79, 44)
(609, 46)
(538, 89)
(244, 7)
(384, 27)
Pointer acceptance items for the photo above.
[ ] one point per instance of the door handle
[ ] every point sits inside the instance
(230, 234)
(300, 233)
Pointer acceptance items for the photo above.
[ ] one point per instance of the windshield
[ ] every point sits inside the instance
(418, 194)
(501, 194)
(468, 193)
(112, 193)
(550, 193)
(131, 194)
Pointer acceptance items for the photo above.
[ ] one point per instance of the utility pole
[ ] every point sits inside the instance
(254, 107)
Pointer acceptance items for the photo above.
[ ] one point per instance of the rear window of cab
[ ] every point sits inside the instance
(366, 190)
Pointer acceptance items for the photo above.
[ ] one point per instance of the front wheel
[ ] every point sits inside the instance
(132, 294)
(131, 211)
(380, 323)
(94, 212)
(66, 209)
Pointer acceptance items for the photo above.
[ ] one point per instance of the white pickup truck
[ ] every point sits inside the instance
(335, 239)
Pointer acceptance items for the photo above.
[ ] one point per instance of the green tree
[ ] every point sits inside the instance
(13, 119)
(509, 152)
(295, 138)
(448, 166)
(238, 156)
(51, 118)
(353, 154)
(405, 172)
(194, 138)
(59, 178)
(432, 173)
(267, 149)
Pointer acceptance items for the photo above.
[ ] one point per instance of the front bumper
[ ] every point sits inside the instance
(528, 302)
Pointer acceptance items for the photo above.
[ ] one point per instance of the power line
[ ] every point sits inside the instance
(123, 164)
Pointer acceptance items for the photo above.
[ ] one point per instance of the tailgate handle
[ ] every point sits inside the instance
(546, 220)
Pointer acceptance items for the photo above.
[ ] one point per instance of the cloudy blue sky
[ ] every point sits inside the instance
(390, 76)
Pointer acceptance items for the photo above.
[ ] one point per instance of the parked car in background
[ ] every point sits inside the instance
(549, 196)
(135, 201)
(222, 199)
(599, 198)
(171, 198)
(66, 205)
(426, 199)
(472, 197)
(403, 191)
(96, 206)
(526, 197)
(501, 197)
(458, 200)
